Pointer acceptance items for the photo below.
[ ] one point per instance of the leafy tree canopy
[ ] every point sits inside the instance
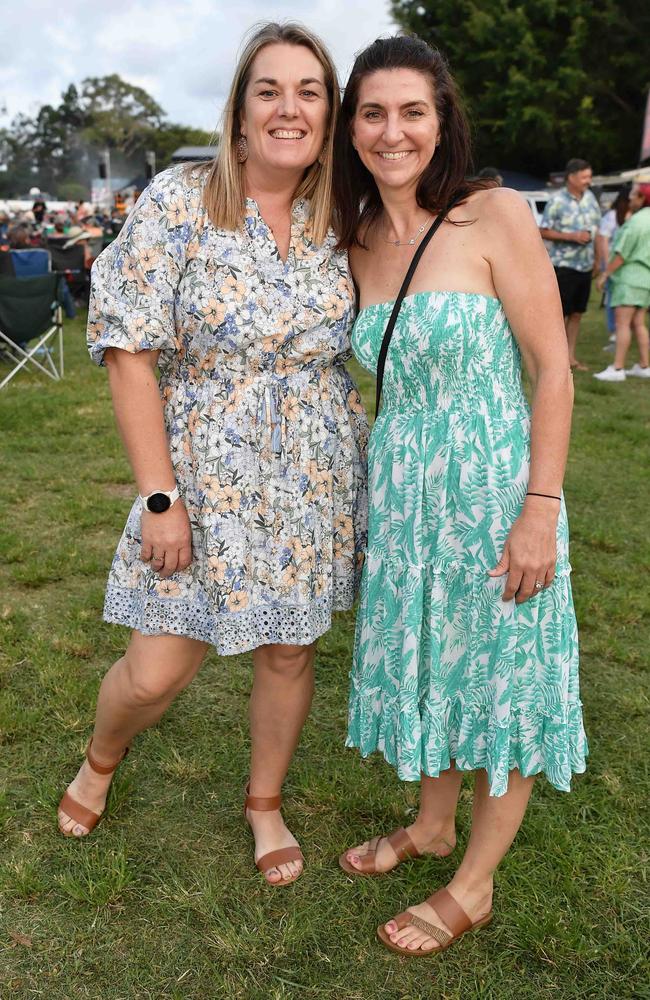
(544, 80)
(118, 115)
(58, 148)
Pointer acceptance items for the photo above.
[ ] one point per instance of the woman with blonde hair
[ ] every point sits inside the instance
(249, 450)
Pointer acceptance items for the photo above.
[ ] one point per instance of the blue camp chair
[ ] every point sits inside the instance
(30, 263)
(31, 323)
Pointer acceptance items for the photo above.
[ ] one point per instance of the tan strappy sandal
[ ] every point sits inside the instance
(449, 911)
(399, 840)
(78, 812)
(272, 859)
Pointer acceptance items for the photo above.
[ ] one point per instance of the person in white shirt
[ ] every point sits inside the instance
(610, 223)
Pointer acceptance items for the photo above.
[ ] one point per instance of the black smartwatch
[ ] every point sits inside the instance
(160, 500)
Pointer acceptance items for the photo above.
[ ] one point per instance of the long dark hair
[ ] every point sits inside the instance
(621, 204)
(356, 197)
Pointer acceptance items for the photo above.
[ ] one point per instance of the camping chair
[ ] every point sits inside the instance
(30, 310)
(56, 240)
(6, 264)
(71, 263)
(29, 263)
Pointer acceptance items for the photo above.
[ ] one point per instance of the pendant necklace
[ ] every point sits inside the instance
(412, 241)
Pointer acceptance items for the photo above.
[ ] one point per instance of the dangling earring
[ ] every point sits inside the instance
(242, 149)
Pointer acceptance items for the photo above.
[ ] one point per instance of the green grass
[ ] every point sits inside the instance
(164, 901)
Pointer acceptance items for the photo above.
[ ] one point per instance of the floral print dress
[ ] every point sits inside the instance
(266, 429)
(444, 669)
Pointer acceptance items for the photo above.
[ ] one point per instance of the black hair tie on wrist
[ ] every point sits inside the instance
(549, 496)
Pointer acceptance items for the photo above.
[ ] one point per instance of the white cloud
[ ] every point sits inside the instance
(183, 53)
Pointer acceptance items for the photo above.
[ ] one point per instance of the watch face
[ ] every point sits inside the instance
(158, 502)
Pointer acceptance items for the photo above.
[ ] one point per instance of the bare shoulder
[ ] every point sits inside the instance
(498, 204)
(501, 215)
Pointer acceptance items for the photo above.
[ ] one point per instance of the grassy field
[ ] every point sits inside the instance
(163, 901)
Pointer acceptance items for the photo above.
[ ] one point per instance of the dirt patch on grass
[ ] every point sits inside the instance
(125, 491)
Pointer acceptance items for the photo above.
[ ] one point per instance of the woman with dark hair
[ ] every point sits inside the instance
(466, 652)
(628, 274)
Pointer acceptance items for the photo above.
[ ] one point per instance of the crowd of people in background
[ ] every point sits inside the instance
(39, 228)
(615, 249)
(583, 243)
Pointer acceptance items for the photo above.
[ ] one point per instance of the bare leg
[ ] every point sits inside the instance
(495, 822)
(434, 830)
(624, 315)
(283, 686)
(572, 327)
(641, 334)
(133, 695)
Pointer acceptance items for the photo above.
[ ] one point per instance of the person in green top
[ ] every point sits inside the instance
(629, 273)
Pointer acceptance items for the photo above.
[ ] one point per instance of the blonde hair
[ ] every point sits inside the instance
(224, 195)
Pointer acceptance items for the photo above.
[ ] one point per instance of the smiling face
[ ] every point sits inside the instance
(396, 128)
(578, 182)
(286, 109)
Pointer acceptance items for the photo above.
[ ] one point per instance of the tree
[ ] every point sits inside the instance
(54, 139)
(171, 135)
(57, 149)
(544, 80)
(118, 115)
(16, 157)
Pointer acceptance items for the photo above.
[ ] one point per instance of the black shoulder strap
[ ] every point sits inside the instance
(426, 239)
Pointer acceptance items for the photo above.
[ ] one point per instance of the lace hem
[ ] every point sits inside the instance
(537, 738)
(228, 632)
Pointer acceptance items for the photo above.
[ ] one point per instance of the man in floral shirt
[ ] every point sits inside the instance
(570, 223)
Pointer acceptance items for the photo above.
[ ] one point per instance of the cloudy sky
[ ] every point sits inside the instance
(181, 51)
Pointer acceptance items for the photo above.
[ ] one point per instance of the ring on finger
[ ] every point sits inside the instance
(159, 559)
(539, 585)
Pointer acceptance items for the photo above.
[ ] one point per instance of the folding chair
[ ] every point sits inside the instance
(72, 264)
(30, 310)
(7, 264)
(29, 263)
(57, 241)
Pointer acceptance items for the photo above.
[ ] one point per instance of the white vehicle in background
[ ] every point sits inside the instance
(608, 185)
(536, 202)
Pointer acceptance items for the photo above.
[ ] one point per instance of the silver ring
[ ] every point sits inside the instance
(158, 559)
(539, 585)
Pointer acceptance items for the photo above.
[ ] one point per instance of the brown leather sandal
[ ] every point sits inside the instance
(272, 859)
(449, 911)
(399, 840)
(78, 812)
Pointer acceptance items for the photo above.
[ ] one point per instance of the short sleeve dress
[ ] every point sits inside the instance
(266, 429)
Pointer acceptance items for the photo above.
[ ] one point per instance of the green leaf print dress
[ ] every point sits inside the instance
(443, 668)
